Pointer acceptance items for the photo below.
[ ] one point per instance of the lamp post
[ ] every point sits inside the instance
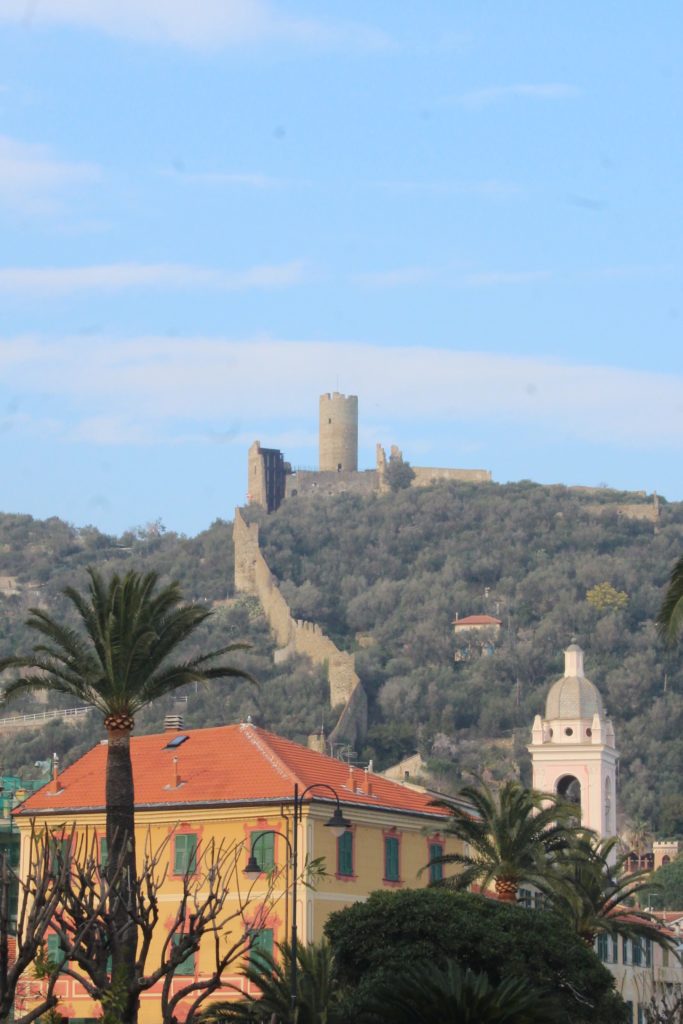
(337, 825)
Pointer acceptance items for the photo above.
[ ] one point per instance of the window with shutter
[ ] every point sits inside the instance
(345, 854)
(185, 966)
(435, 870)
(185, 854)
(261, 943)
(263, 849)
(391, 873)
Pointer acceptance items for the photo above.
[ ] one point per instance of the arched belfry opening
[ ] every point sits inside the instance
(573, 752)
(569, 789)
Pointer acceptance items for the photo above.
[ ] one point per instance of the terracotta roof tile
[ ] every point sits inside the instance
(224, 765)
(477, 620)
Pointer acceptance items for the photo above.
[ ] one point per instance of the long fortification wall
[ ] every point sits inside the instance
(297, 636)
(425, 476)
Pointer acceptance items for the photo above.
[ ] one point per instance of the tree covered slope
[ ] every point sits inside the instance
(387, 575)
(45, 556)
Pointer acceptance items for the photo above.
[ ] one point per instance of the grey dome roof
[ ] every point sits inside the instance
(573, 697)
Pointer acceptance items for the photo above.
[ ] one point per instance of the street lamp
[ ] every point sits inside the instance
(337, 825)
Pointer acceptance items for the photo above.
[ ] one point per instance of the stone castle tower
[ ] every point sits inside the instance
(573, 751)
(338, 433)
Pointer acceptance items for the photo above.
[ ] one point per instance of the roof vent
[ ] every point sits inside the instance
(173, 723)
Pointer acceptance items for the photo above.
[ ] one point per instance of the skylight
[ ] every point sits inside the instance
(175, 742)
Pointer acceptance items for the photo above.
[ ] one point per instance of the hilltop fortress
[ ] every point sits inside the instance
(271, 479)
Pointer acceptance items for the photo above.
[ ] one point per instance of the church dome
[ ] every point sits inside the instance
(573, 697)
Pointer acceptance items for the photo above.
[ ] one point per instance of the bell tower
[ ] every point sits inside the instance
(573, 751)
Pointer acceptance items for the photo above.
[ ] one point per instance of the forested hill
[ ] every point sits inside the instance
(385, 576)
(388, 575)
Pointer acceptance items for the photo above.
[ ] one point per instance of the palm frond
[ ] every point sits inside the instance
(670, 618)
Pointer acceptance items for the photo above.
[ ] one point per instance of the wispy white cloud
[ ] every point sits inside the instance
(31, 175)
(116, 277)
(202, 24)
(400, 277)
(173, 389)
(524, 90)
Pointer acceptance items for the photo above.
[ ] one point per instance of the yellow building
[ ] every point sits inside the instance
(235, 784)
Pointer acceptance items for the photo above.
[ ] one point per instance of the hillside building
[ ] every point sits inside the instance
(475, 636)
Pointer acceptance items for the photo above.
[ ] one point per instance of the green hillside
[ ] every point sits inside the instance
(393, 572)
(385, 576)
(45, 556)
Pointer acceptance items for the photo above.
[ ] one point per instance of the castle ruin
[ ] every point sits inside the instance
(271, 479)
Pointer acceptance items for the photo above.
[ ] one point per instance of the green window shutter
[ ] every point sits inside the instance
(602, 947)
(55, 953)
(185, 854)
(185, 966)
(345, 854)
(637, 952)
(435, 870)
(615, 950)
(261, 943)
(263, 849)
(104, 853)
(391, 859)
(59, 854)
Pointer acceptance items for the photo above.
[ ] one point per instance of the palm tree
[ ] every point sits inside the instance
(317, 992)
(118, 659)
(593, 892)
(425, 994)
(511, 836)
(670, 617)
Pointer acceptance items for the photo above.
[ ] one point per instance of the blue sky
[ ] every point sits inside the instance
(213, 211)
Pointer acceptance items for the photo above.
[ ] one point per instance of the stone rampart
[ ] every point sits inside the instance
(644, 513)
(306, 481)
(297, 636)
(425, 476)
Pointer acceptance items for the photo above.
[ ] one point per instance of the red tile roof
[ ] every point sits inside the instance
(231, 764)
(477, 620)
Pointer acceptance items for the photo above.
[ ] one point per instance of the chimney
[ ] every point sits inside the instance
(176, 773)
(367, 782)
(56, 788)
(173, 723)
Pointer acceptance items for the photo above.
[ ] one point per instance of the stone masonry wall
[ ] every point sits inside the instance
(252, 576)
(425, 476)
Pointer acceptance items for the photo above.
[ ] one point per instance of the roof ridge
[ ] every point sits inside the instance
(253, 734)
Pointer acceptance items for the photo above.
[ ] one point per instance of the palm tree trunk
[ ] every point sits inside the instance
(121, 868)
(506, 889)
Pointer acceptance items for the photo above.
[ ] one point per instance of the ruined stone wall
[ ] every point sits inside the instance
(256, 476)
(305, 481)
(645, 513)
(425, 476)
(297, 636)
